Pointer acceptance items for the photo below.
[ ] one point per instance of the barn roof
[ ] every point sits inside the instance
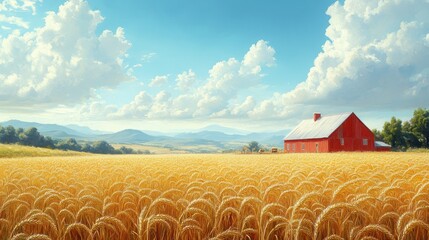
(322, 128)
(381, 144)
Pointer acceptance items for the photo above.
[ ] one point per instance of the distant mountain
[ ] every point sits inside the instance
(159, 134)
(85, 130)
(127, 136)
(61, 135)
(51, 130)
(209, 135)
(212, 138)
(269, 138)
(274, 139)
(219, 128)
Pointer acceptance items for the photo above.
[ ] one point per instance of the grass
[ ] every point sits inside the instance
(272, 196)
(421, 150)
(17, 151)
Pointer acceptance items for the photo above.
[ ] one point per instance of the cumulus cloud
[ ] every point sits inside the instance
(97, 109)
(186, 79)
(376, 57)
(137, 108)
(158, 80)
(226, 79)
(63, 61)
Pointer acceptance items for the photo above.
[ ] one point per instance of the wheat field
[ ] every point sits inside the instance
(297, 196)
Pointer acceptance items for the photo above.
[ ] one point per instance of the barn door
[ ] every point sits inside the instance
(317, 147)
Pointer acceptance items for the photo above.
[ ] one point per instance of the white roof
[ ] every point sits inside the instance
(381, 144)
(322, 128)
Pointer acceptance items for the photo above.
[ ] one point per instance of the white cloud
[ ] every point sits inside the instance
(226, 79)
(22, 5)
(158, 80)
(160, 106)
(96, 109)
(138, 108)
(148, 57)
(9, 7)
(376, 58)
(186, 79)
(63, 61)
(259, 54)
(244, 108)
(13, 21)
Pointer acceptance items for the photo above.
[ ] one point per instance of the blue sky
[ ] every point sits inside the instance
(164, 65)
(182, 35)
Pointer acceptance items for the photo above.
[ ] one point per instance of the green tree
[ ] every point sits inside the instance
(377, 135)
(8, 135)
(254, 146)
(392, 133)
(245, 149)
(419, 125)
(410, 138)
(103, 147)
(48, 142)
(19, 131)
(30, 137)
(69, 144)
(2, 135)
(125, 150)
(87, 148)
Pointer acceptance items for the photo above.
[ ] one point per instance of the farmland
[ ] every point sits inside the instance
(17, 151)
(279, 196)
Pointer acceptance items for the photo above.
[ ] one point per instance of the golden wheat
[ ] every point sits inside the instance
(296, 196)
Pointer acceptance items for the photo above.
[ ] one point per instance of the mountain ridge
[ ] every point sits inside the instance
(201, 138)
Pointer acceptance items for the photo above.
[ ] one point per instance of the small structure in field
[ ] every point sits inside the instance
(382, 146)
(274, 150)
(261, 150)
(334, 133)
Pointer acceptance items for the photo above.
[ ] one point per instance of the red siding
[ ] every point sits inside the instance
(353, 132)
(310, 145)
(382, 149)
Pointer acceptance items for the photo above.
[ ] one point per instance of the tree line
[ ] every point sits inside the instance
(32, 137)
(402, 135)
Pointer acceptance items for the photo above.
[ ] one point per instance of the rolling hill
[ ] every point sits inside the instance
(51, 130)
(212, 138)
(127, 136)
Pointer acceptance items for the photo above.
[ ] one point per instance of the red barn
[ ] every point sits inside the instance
(334, 133)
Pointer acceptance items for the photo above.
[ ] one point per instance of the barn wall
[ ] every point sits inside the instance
(309, 146)
(353, 131)
(382, 149)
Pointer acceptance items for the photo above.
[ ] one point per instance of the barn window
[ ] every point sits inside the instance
(365, 142)
(302, 146)
(342, 141)
(293, 147)
(287, 146)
